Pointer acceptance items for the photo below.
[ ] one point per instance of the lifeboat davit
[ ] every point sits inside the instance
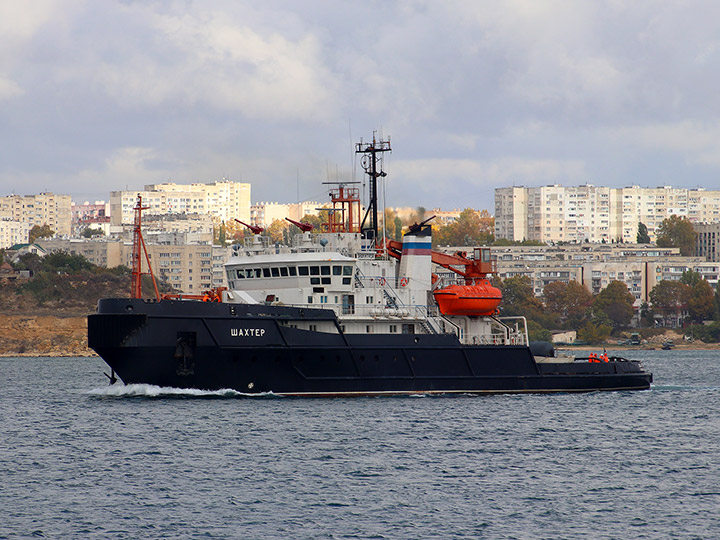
(474, 300)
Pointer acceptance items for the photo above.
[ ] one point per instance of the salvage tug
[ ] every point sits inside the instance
(342, 312)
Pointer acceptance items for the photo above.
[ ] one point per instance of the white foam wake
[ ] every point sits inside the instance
(150, 390)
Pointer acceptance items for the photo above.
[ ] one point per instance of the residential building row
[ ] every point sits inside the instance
(223, 200)
(596, 214)
(30, 210)
(188, 263)
(640, 267)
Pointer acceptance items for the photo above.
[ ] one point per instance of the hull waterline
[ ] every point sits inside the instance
(250, 349)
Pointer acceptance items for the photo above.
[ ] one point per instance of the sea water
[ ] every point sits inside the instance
(81, 459)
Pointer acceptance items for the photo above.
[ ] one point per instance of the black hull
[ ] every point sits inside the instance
(254, 349)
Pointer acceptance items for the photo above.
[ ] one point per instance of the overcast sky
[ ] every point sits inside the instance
(475, 94)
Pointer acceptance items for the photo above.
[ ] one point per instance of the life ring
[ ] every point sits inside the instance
(381, 281)
(403, 282)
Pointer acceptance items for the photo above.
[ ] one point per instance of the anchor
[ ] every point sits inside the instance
(113, 379)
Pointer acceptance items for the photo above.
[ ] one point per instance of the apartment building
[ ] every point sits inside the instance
(639, 266)
(191, 268)
(596, 214)
(707, 244)
(43, 209)
(224, 201)
(13, 232)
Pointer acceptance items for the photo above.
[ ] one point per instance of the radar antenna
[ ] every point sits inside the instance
(372, 155)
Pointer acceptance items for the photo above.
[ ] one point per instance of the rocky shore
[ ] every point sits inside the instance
(43, 335)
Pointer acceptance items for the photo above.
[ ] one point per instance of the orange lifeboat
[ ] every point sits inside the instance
(474, 300)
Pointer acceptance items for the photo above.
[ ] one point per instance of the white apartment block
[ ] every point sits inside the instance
(43, 209)
(596, 214)
(13, 232)
(223, 200)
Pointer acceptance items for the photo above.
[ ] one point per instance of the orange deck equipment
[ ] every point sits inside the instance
(481, 299)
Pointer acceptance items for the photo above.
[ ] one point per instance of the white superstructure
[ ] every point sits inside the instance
(370, 291)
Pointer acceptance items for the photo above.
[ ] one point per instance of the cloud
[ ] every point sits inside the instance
(9, 89)
(476, 94)
(216, 61)
(698, 142)
(487, 173)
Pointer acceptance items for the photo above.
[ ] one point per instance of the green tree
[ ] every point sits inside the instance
(594, 333)
(517, 292)
(519, 299)
(570, 301)
(616, 301)
(219, 234)
(642, 235)
(278, 231)
(701, 301)
(90, 232)
(389, 222)
(313, 220)
(470, 228)
(29, 261)
(554, 297)
(691, 278)
(398, 228)
(670, 298)
(62, 261)
(647, 315)
(677, 232)
(537, 333)
(40, 231)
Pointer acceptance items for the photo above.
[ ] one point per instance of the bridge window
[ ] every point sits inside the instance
(293, 271)
(266, 272)
(303, 270)
(325, 270)
(314, 270)
(337, 270)
(275, 272)
(347, 270)
(283, 271)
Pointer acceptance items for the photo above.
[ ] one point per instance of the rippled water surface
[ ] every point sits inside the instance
(81, 460)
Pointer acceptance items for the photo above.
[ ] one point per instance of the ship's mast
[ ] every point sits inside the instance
(372, 155)
(138, 249)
